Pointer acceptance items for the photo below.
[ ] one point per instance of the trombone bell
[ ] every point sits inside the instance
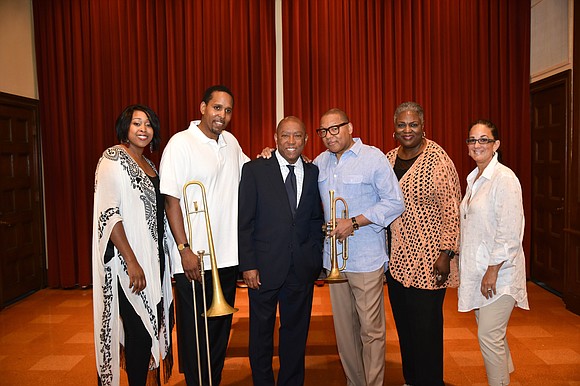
(219, 305)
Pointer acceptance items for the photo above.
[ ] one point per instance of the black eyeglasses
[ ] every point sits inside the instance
(333, 130)
(481, 141)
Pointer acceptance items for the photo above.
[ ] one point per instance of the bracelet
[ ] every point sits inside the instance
(355, 225)
(449, 253)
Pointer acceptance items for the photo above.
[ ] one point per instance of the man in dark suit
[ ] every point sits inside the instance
(280, 246)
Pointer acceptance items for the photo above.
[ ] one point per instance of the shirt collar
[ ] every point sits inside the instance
(356, 148)
(204, 138)
(490, 168)
(282, 161)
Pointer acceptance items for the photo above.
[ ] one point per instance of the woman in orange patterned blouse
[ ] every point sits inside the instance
(424, 241)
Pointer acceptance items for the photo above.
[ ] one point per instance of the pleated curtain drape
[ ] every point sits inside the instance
(461, 59)
(96, 57)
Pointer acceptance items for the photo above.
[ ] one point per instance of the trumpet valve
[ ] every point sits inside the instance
(327, 228)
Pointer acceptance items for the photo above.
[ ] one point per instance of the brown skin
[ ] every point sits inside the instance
(409, 131)
(216, 114)
(290, 140)
(215, 117)
(482, 155)
(189, 260)
(139, 136)
(339, 144)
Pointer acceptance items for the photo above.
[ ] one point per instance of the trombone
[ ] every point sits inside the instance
(334, 275)
(219, 305)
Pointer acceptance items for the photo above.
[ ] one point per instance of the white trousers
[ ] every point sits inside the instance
(492, 321)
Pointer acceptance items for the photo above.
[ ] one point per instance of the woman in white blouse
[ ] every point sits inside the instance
(491, 259)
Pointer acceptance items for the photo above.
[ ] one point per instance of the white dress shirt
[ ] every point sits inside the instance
(298, 170)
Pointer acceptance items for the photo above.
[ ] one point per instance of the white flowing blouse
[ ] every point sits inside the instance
(123, 192)
(492, 229)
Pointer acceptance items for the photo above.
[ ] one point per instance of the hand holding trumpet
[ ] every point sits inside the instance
(342, 229)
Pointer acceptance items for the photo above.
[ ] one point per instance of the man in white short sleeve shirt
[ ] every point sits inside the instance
(207, 153)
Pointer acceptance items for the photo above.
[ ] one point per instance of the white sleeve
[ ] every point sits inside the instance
(171, 170)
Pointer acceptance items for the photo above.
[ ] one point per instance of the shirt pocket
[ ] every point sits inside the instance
(353, 185)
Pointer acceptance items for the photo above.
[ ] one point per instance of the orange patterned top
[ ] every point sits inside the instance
(430, 222)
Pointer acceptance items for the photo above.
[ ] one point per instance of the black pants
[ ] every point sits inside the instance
(137, 342)
(294, 300)
(218, 327)
(418, 317)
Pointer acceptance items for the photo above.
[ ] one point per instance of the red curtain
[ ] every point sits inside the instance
(460, 59)
(96, 57)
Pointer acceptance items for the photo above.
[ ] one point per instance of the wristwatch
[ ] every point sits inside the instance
(181, 247)
(449, 253)
(355, 225)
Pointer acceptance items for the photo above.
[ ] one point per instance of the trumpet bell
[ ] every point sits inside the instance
(334, 275)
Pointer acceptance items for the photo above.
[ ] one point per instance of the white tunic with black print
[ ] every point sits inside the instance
(123, 192)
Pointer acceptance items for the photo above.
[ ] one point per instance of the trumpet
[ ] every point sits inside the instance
(219, 305)
(334, 275)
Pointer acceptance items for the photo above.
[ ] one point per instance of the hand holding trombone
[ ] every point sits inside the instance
(219, 305)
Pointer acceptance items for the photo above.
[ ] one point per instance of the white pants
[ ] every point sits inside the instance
(492, 321)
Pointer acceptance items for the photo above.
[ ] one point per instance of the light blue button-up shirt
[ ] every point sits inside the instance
(365, 179)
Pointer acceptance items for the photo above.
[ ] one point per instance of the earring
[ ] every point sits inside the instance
(424, 135)
(151, 147)
(393, 135)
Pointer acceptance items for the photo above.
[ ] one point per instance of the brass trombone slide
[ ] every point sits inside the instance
(219, 305)
(334, 275)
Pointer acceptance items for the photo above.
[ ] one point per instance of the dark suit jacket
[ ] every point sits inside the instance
(269, 237)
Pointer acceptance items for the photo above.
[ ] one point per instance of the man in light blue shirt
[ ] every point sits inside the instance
(362, 176)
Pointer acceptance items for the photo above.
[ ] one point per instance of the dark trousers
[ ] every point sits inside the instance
(218, 327)
(418, 317)
(295, 302)
(137, 342)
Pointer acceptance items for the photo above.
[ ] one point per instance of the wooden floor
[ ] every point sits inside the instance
(47, 339)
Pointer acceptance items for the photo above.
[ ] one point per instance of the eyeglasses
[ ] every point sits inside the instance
(481, 141)
(333, 130)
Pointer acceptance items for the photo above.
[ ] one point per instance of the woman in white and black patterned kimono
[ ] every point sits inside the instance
(132, 297)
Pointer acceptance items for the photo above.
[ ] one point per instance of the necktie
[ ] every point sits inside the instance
(290, 184)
